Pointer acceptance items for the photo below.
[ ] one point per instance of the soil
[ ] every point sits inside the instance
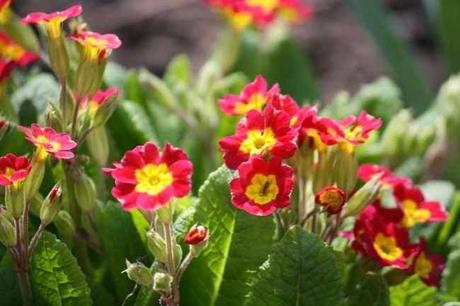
(343, 54)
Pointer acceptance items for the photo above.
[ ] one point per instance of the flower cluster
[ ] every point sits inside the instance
(382, 232)
(275, 128)
(243, 13)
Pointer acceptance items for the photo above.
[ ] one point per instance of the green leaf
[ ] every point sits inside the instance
(300, 270)
(120, 240)
(147, 297)
(9, 289)
(178, 71)
(451, 276)
(238, 245)
(368, 289)
(448, 19)
(413, 292)
(55, 276)
(395, 52)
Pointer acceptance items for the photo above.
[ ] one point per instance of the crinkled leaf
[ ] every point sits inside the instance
(300, 270)
(368, 289)
(55, 276)
(238, 245)
(451, 276)
(413, 292)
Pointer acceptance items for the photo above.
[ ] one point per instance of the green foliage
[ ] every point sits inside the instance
(9, 289)
(120, 240)
(413, 292)
(300, 270)
(238, 244)
(395, 52)
(55, 276)
(451, 275)
(366, 288)
(448, 19)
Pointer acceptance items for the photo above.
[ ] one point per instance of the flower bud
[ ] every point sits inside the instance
(35, 178)
(36, 204)
(197, 238)
(104, 112)
(59, 59)
(85, 190)
(157, 246)
(64, 224)
(363, 196)
(51, 205)
(15, 201)
(139, 273)
(4, 127)
(98, 145)
(7, 231)
(54, 118)
(331, 198)
(346, 168)
(162, 282)
(165, 213)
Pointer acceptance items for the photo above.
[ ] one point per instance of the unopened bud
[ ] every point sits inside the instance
(162, 282)
(7, 231)
(165, 213)
(139, 273)
(51, 205)
(331, 198)
(4, 126)
(363, 197)
(197, 238)
(85, 190)
(89, 76)
(104, 112)
(36, 204)
(35, 178)
(59, 58)
(157, 246)
(53, 118)
(15, 201)
(98, 145)
(346, 167)
(64, 224)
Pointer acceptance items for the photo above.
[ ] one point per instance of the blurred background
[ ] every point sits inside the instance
(349, 42)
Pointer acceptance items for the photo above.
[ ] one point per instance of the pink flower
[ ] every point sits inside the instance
(48, 141)
(95, 45)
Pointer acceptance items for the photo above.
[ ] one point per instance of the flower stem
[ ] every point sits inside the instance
(174, 299)
(24, 286)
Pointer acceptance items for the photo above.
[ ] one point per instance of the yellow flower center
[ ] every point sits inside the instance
(239, 21)
(267, 5)
(9, 172)
(387, 248)
(263, 189)
(11, 52)
(317, 143)
(412, 214)
(153, 179)
(258, 141)
(92, 108)
(331, 198)
(423, 266)
(256, 102)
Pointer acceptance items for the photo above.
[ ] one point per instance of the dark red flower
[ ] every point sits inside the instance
(332, 198)
(427, 266)
(266, 133)
(13, 169)
(148, 179)
(262, 186)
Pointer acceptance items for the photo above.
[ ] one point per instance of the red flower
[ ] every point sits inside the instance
(428, 267)
(196, 235)
(148, 179)
(5, 70)
(295, 10)
(10, 51)
(262, 186)
(13, 169)
(377, 234)
(358, 130)
(259, 133)
(331, 198)
(53, 20)
(416, 210)
(95, 45)
(254, 96)
(48, 141)
(288, 105)
(317, 132)
(99, 98)
(367, 171)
